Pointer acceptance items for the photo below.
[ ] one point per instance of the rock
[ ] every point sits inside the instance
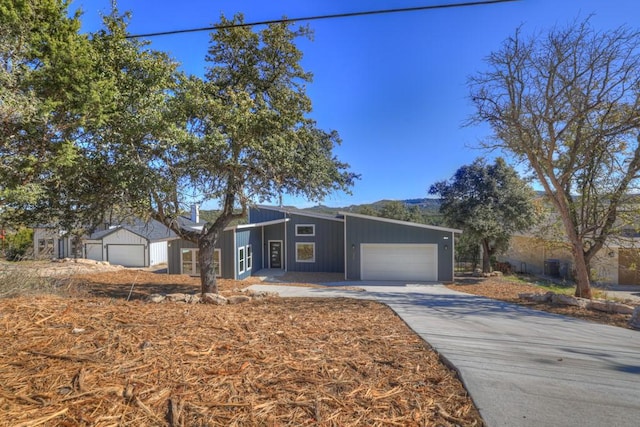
(217, 299)
(156, 298)
(635, 318)
(176, 297)
(610, 307)
(536, 297)
(262, 294)
(238, 299)
(561, 299)
(192, 299)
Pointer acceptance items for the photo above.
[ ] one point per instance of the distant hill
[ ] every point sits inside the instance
(428, 209)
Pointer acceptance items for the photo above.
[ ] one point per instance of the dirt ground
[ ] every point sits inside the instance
(100, 355)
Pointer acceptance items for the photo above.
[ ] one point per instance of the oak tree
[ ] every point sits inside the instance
(489, 203)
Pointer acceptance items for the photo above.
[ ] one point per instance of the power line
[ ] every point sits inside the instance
(318, 17)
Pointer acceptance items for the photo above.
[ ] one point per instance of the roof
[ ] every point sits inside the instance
(257, 224)
(151, 230)
(407, 223)
(294, 211)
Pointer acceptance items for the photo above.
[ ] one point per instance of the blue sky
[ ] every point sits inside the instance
(393, 86)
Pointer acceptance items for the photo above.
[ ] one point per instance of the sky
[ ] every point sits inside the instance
(394, 86)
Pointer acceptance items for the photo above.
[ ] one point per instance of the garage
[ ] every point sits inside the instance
(394, 261)
(126, 255)
(93, 251)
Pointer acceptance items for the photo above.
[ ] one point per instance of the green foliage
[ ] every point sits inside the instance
(488, 202)
(18, 244)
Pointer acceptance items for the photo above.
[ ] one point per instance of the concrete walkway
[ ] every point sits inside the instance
(521, 367)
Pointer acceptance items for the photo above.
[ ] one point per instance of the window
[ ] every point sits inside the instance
(190, 262)
(241, 259)
(305, 252)
(305, 230)
(249, 258)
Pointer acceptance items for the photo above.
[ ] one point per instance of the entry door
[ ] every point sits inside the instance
(275, 254)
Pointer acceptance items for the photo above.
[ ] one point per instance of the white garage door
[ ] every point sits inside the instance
(399, 262)
(94, 251)
(126, 255)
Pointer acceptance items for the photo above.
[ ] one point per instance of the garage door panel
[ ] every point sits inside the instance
(399, 262)
(126, 255)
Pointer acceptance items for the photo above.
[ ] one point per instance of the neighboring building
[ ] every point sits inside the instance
(616, 263)
(138, 244)
(360, 246)
(131, 244)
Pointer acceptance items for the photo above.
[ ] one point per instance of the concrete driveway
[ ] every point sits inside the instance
(522, 367)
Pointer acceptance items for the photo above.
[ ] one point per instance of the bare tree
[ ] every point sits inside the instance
(566, 103)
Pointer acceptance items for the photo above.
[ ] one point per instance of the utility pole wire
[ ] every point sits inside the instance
(315, 18)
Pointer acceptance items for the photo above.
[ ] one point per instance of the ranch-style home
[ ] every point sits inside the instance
(360, 246)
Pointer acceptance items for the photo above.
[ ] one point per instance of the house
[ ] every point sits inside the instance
(616, 263)
(132, 243)
(361, 247)
(135, 244)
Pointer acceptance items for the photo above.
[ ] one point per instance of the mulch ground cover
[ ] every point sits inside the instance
(506, 289)
(108, 358)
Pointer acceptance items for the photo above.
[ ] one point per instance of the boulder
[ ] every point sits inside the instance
(238, 299)
(176, 297)
(561, 299)
(192, 299)
(610, 307)
(216, 299)
(536, 297)
(156, 298)
(634, 322)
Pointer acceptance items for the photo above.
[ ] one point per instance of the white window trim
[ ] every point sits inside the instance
(242, 262)
(195, 261)
(313, 245)
(249, 258)
(219, 252)
(313, 230)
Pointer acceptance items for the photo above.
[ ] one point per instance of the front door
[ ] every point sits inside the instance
(275, 254)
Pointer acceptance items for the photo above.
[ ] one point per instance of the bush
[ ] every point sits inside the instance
(16, 282)
(18, 244)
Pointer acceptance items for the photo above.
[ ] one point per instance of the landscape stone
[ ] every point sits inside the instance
(216, 299)
(176, 297)
(238, 299)
(561, 299)
(156, 298)
(610, 307)
(192, 298)
(635, 318)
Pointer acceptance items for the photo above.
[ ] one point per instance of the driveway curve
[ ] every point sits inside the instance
(522, 367)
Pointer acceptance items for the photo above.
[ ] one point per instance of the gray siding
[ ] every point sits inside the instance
(225, 244)
(361, 230)
(329, 245)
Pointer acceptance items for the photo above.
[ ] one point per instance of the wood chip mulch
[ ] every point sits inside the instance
(505, 289)
(102, 360)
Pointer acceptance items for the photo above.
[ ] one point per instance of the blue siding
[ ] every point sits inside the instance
(225, 244)
(329, 245)
(251, 237)
(362, 230)
(272, 232)
(257, 215)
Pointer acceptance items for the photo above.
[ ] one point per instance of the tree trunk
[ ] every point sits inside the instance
(583, 287)
(206, 246)
(486, 256)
